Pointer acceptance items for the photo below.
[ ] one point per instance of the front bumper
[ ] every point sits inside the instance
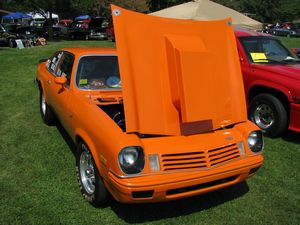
(171, 186)
(295, 117)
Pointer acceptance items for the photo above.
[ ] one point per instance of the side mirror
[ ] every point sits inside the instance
(60, 80)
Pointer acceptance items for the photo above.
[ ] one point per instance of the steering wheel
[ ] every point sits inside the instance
(270, 53)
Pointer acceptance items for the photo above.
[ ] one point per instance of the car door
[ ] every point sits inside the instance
(61, 94)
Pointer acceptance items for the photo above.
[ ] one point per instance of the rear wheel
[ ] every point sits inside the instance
(46, 113)
(90, 182)
(11, 43)
(268, 112)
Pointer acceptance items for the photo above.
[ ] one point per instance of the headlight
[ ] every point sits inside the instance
(256, 141)
(132, 160)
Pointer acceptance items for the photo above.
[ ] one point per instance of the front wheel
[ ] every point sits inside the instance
(90, 182)
(268, 112)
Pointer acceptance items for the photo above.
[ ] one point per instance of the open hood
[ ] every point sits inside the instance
(179, 77)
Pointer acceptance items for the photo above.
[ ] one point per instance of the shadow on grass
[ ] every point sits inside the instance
(291, 136)
(66, 137)
(139, 213)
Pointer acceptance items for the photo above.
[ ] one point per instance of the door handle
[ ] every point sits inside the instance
(49, 81)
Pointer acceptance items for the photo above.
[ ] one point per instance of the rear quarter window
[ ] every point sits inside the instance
(53, 62)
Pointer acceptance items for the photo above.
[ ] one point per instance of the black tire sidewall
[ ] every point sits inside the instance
(48, 116)
(11, 43)
(100, 195)
(280, 113)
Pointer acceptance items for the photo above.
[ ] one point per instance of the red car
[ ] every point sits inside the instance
(271, 76)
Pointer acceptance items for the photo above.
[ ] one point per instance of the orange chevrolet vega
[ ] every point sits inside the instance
(161, 117)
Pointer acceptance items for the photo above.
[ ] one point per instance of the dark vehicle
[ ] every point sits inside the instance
(97, 29)
(79, 30)
(88, 29)
(56, 31)
(283, 32)
(22, 32)
(7, 38)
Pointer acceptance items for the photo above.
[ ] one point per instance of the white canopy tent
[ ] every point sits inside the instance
(36, 15)
(38, 19)
(208, 10)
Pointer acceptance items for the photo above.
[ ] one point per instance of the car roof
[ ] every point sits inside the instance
(91, 51)
(245, 33)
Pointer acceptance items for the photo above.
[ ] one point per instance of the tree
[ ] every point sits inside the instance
(102, 7)
(266, 11)
(290, 10)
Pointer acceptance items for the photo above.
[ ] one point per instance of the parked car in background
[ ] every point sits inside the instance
(97, 28)
(272, 82)
(199, 140)
(7, 38)
(110, 32)
(22, 32)
(65, 23)
(283, 32)
(88, 29)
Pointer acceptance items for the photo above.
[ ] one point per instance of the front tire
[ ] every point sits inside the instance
(90, 182)
(268, 112)
(46, 113)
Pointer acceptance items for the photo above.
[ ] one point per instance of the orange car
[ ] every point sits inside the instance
(162, 117)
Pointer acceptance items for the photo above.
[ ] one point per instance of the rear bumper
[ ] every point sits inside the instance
(295, 117)
(170, 186)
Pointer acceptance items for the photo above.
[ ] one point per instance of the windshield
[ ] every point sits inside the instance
(267, 50)
(98, 73)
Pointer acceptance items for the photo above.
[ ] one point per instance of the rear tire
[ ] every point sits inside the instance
(11, 43)
(46, 113)
(268, 113)
(90, 182)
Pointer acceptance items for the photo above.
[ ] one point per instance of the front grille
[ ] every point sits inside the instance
(201, 186)
(200, 159)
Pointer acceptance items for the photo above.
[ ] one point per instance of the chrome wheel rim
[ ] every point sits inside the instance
(87, 172)
(43, 104)
(264, 116)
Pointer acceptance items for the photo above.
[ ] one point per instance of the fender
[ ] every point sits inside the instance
(271, 85)
(42, 86)
(87, 140)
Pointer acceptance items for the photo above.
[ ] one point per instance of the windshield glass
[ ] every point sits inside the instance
(267, 50)
(98, 72)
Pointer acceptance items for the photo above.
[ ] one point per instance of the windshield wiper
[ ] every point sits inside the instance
(291, 60)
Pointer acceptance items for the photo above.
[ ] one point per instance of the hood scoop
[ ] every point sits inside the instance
(179, 77)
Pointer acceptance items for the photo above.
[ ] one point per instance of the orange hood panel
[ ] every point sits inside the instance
(179, 77)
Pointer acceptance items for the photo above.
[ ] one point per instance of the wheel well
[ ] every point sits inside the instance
(40, 85)
(78, 139)
(278, 94)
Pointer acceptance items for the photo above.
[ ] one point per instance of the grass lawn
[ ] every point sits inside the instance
(37, 168)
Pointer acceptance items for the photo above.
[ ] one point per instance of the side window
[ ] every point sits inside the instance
(65, 66)
(53, 62)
